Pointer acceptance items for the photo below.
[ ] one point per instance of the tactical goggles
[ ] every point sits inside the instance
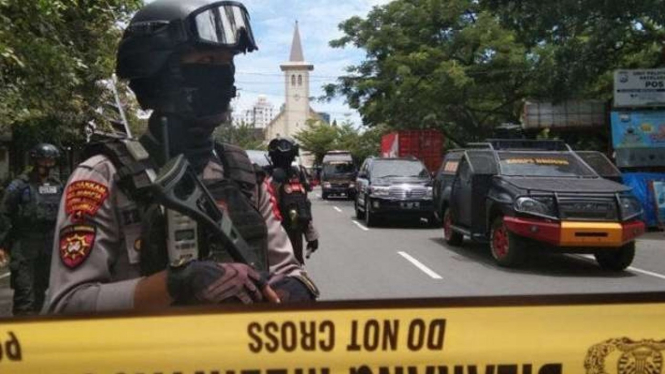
(281, 145)
(222, 24)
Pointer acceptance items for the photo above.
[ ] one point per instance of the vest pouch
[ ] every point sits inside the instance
(246, 218)
(153, 254)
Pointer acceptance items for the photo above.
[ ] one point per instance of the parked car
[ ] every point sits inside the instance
(519, 195)
(393, 187)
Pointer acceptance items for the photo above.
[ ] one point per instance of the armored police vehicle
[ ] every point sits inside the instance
(520, 195)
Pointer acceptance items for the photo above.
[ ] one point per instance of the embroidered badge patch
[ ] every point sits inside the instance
(84, 197)
(76, 244)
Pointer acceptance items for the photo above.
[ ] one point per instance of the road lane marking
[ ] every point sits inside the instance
(361, 226)
(634, 269)
(337, 209)
(3, 276)
(420, 265)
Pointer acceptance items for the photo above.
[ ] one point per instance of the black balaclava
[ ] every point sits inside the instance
(194, 101)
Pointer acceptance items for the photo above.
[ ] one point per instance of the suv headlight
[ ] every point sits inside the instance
(536, 206)
(428, 193)
(379, 191)
(630, 207)
(352, 185)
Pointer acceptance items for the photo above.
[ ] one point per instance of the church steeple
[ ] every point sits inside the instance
(296, 82)
(296, 47)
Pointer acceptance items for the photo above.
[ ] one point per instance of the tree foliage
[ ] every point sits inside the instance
(244, 135)
(465, 66)
(52, 53)
(320, 137)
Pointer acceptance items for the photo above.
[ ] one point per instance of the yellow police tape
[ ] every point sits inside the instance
(354, 338)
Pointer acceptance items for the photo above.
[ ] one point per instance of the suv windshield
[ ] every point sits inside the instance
(338, 168)
(399, 168)
(542, 164)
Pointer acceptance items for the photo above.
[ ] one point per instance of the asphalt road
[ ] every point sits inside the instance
(409, 259)
(406, 259)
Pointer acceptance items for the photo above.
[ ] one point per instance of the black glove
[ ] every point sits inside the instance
(291, 289)
(312, 247)
(209, 282)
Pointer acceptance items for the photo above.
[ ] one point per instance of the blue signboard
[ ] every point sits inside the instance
(641, 129)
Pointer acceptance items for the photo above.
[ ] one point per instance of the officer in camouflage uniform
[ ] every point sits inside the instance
(291, 186)
(27, 217)
(111, 237)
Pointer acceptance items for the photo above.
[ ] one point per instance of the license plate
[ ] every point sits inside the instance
(411, 205)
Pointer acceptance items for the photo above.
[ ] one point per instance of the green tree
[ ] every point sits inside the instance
(466, 66)
(318, 137)
(445, 64)
(52, 53)
(578, 44)
(244, 135)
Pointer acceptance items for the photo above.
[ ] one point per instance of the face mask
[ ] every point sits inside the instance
(209, 88)
(282, 161)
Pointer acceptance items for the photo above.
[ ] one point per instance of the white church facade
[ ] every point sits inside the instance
(296, 111)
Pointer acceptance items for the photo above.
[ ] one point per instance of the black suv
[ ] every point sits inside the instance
(393, 186)
(520, 194)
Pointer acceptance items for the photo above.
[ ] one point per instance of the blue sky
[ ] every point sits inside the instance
(273, 22)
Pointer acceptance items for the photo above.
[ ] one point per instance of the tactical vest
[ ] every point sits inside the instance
(38, 206)
(294, 206)
(234, 193)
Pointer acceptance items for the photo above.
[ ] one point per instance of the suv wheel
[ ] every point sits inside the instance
(507, 248)
(370, 218)
(359, 214)
(324, 196)
(616, 260)
(452, 237)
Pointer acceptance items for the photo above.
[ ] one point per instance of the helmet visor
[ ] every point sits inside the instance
(281, 145)
(224, 24)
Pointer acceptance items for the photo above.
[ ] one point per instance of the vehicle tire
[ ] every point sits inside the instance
(452, 237)
(370, 218)
(324, 196)
(616, 260)
(359, 214)
(507, 248)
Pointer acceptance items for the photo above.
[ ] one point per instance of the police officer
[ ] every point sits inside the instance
(27, 217)
(291, 186)
(111, 247)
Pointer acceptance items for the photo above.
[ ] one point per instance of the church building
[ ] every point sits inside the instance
(296, 111)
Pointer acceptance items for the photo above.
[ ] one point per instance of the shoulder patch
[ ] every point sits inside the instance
(75, 244)
(84, 197)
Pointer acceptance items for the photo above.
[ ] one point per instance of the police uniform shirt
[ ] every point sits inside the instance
(95, 264)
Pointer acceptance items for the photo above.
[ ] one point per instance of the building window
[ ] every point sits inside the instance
(299, 80)
(293, 80)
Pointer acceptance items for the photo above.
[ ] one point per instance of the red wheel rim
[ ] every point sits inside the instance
(446, 226)
(500, 242)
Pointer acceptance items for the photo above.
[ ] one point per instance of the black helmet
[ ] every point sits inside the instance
(44, 151)
(284, 148)
(150, 50)
(165, 27)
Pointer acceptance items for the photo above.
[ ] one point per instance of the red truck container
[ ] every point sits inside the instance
(425, 145)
